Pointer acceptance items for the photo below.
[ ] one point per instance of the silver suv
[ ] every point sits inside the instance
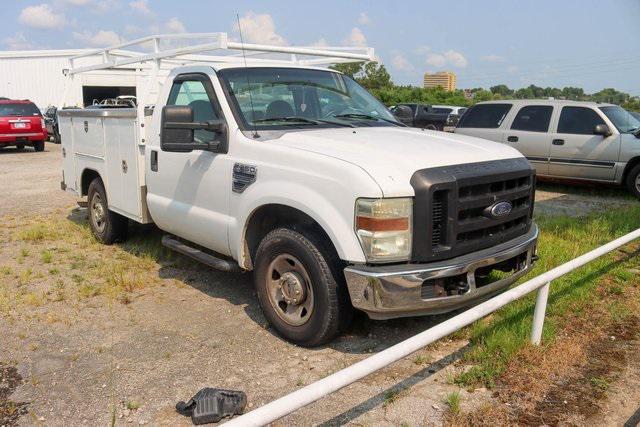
(564, 139)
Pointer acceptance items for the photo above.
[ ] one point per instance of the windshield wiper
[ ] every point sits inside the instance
(289, 119)
(364, 117)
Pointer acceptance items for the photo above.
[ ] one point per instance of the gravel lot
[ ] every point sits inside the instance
(80, 358)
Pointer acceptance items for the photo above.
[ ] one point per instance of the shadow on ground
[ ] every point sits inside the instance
(363, 336)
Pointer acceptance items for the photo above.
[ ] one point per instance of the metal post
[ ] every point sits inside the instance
(538, 314)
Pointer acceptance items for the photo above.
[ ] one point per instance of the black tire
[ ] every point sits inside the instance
(108, 227)
(57, 138)
(20, 147)
(633, 181)
(38, 145)
(331, 309)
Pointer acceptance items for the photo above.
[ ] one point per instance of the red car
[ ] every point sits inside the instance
(21, 123)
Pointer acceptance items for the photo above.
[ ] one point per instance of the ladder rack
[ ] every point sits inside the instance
(150, 48)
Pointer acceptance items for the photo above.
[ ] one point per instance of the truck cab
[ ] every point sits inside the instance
(298, 174)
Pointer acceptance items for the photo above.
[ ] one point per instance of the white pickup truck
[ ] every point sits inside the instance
(298, 174)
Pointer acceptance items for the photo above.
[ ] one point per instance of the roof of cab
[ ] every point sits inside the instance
(543, 101)
(269, 64)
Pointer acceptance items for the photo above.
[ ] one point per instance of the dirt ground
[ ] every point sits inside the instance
(94, 360)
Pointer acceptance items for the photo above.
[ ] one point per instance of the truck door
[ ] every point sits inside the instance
(529, 134)
(576, 152)
(188, 191)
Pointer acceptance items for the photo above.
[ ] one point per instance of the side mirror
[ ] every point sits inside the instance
(602, 130)
(403, 113)
(178, 130)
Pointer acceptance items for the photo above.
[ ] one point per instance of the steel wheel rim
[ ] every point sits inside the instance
(98, 213)
(289, 290)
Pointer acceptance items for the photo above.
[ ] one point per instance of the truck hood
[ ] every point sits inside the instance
(390, 155)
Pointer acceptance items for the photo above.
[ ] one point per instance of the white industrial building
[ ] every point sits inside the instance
(38, 75)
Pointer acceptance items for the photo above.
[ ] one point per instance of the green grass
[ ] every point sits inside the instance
(133, 405)
(453, 402)
(46, 256)
(497, 339)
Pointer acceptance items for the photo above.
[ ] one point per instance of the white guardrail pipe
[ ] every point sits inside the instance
(321, 388)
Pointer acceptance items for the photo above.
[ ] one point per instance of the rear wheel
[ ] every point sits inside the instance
(300, 287)
(107, 226)
(38, 145)
(633, 181)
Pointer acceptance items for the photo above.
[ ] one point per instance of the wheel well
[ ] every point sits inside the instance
(630, 165)
(269, 217)
(88, 175)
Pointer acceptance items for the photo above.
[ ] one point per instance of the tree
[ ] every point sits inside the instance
(502, 90)
(371, 75)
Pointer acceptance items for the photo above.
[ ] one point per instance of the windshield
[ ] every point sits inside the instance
(624, 121)
(295, 97)
(19, 110)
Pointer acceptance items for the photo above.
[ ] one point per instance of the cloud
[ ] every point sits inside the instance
(101, 38)
(141, 6)
(436, 60)
(77, 2)
(363, 19)
(493, 58)
(42, 17)
(400, 63)
(512, 69)
(259, 28)
(320, 43)
(18, 42)
(355, 38)
(174, 25)
(450, 57)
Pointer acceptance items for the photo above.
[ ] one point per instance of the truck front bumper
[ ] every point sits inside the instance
(385, 292)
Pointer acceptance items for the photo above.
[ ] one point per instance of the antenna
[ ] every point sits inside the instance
(244, 57)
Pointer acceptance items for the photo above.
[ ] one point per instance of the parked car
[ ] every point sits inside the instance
(425, 116)
(328, 199)
(453, 114)
(21, 124)
(51, 123)
(564, 139)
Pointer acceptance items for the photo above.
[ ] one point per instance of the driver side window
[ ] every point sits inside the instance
(194, 94)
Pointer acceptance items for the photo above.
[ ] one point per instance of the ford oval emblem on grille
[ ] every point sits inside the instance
(498, 210)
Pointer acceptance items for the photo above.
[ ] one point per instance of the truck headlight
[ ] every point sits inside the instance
(384, 228)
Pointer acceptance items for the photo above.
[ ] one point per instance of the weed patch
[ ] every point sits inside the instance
(497, 340)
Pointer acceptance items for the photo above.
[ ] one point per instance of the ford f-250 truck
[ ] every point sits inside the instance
(298, 174)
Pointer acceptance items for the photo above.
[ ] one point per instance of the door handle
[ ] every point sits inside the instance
(154, 161)
(512, 138)
(558, 142)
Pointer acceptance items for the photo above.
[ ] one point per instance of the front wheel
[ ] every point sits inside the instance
(633, 181)
(300, 287)
(108, 227)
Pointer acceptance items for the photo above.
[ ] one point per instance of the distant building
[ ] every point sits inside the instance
(445, 79)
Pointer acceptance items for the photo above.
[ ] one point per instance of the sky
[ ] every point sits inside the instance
(584, 43)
